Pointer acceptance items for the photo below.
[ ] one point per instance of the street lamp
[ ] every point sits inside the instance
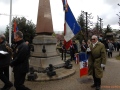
(87, 21)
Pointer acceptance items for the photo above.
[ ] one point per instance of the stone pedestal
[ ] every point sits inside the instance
(40, 59)
(45, 45)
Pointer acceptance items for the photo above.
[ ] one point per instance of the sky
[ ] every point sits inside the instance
(105, 9)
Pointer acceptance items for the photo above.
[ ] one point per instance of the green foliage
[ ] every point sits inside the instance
(97, 26)
(81, 35)
(25, 26)
(107, 30)
(81, 22)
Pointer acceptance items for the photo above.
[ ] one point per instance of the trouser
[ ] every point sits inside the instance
(64, 55)
(72, 55)
(19, 79)
(4, 75)
(6, 71)
(109, 54)
(117, 48)
(97, 81)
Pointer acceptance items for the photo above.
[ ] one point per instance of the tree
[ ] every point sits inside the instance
(96, 30)
(81, 35)
(25, 26)
(108, 29)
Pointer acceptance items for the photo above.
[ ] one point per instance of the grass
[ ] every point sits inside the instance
(117, 57)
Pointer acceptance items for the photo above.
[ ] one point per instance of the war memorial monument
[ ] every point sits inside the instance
(45, 46)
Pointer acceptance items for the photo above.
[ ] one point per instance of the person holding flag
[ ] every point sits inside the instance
(63, 51)
(96, 61)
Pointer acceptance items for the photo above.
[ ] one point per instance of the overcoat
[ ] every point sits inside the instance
(20, 62)
(96, 58)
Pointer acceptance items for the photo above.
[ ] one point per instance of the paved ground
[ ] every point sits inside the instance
(110, 81)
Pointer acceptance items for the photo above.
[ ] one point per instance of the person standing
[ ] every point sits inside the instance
(63, 51)
(75, 47)
(115, 45)
(88, 47)
(4, 63)
(110, 48)
(83, 47)
(118, 46)
(72, 51)
(20, 62)
(96, 61)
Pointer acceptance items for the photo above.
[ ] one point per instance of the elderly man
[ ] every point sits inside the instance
(20, 61)
(96, 61)
(4, 63)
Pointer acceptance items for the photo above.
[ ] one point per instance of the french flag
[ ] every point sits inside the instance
(83, 64)
(71, 27)
(15, 28)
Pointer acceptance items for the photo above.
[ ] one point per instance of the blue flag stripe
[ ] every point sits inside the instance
(71, 21)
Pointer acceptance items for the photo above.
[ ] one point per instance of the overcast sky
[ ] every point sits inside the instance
(105, 9)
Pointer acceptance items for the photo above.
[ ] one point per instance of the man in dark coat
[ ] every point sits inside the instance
(4, 62)
(72, 51)
(75, 47)
(63, 51)
(20, 61)
(96, 61)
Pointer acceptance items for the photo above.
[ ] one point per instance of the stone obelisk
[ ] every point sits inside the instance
(44, 43)
(44, 21)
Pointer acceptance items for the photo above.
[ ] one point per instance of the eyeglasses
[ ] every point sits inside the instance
(92, 39)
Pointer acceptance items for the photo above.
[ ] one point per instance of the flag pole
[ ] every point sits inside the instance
(10, 29)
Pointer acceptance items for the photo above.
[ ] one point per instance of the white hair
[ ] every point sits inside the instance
(94, 36)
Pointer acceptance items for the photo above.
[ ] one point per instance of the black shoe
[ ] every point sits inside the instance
(7, 87)
(93, 86)
(97, 88)
(26, 88)
(103, 68)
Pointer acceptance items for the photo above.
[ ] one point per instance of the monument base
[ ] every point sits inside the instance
(45, 53)
(40, 60)
(41, 64)
(60, 74)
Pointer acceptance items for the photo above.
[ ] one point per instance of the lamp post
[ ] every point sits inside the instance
(87, 21)
(100, 19)
(10, 28)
